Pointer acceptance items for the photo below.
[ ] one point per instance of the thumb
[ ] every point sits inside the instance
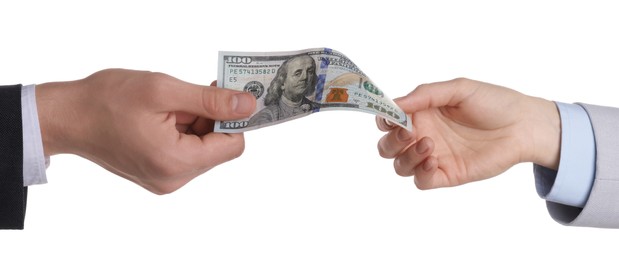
(211, 102)
(438, 94)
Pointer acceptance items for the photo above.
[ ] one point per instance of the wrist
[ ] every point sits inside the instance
(545, 125)
(56, 106)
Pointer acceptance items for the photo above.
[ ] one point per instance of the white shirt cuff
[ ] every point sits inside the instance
(35, 161)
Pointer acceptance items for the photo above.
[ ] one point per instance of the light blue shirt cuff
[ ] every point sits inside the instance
(573, 181)
(34, 162)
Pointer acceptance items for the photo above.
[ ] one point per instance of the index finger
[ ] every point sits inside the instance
(438, 94)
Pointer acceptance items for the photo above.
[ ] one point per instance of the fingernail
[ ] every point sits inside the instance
(403, 135)
(422, 147)
(243, 103)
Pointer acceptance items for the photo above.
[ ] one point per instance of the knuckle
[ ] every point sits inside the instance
(383, 147)
(211, 102)
(461, 81)
(157, 86)
(158, 77)
(420, 86)
(102, 73)
(381, 150)
(397, 165)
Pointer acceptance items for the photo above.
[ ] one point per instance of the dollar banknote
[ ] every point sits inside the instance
(289, 85)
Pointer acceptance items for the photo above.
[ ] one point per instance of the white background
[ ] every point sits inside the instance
(313, 188)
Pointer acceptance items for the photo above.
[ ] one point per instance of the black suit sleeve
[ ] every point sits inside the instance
(12, 191)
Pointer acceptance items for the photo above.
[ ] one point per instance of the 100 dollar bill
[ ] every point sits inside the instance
(289, 85)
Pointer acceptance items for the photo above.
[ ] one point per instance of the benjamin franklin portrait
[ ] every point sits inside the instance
(287, 95)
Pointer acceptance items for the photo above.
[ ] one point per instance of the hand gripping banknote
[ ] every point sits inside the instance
(289, 85)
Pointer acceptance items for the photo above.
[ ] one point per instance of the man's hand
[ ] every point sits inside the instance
(149, 128)
(467, 130)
